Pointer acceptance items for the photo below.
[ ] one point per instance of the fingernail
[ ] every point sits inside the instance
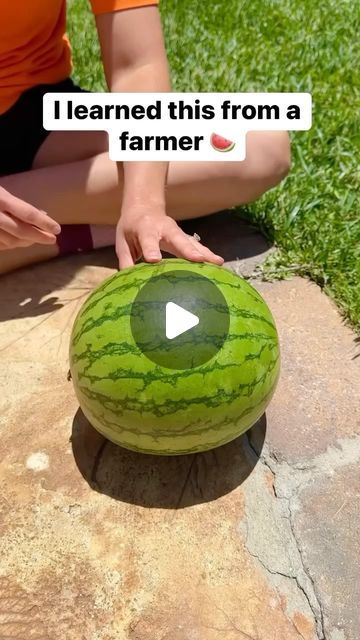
(54, 228)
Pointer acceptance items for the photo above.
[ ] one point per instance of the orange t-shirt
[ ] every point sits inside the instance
(33, 46)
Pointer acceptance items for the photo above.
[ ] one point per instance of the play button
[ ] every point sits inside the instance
(178, 320)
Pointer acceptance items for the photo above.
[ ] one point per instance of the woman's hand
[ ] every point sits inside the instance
(21, 224)
(134, 57)
(143, 233)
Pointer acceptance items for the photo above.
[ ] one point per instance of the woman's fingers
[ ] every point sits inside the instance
(181, 245)
(123, 253)
(149, 244)
(209, 255)
(24, 231)
(7, 241)
(27, 213)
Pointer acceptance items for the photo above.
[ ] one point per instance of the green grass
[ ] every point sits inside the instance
(313, 217)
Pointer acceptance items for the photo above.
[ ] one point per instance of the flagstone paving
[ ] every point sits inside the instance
(257, 540)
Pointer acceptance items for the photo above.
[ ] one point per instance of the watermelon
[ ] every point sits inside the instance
(145, 407)
(221, 144)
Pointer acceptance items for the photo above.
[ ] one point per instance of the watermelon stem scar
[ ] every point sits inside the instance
(221, 144)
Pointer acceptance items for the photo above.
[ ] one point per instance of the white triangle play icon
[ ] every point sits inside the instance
(178, 320)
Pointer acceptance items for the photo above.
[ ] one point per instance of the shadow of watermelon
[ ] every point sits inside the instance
(167, 482)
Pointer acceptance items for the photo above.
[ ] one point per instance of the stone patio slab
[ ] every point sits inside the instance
(257, 540)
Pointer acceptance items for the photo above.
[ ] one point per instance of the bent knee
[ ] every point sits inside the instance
(267, 161)
(280, 155)
(270, 152)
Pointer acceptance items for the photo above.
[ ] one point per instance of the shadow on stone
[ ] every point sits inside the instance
(357, 348)
(228, 235)
(23, 291)
(167, 482)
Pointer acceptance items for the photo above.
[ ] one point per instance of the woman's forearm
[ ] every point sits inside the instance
(144, 186)
(135, 61)
(144, 182)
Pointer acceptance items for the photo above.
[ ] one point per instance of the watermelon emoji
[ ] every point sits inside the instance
(221, 144)
(141, 397)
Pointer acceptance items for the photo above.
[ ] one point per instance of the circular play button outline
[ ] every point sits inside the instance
(179, 319)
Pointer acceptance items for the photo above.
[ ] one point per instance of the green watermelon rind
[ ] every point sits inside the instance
(151, 409)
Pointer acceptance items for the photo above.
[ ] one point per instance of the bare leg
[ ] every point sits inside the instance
(76, 185)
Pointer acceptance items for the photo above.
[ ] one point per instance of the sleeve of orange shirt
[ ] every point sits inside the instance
(108, 6)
